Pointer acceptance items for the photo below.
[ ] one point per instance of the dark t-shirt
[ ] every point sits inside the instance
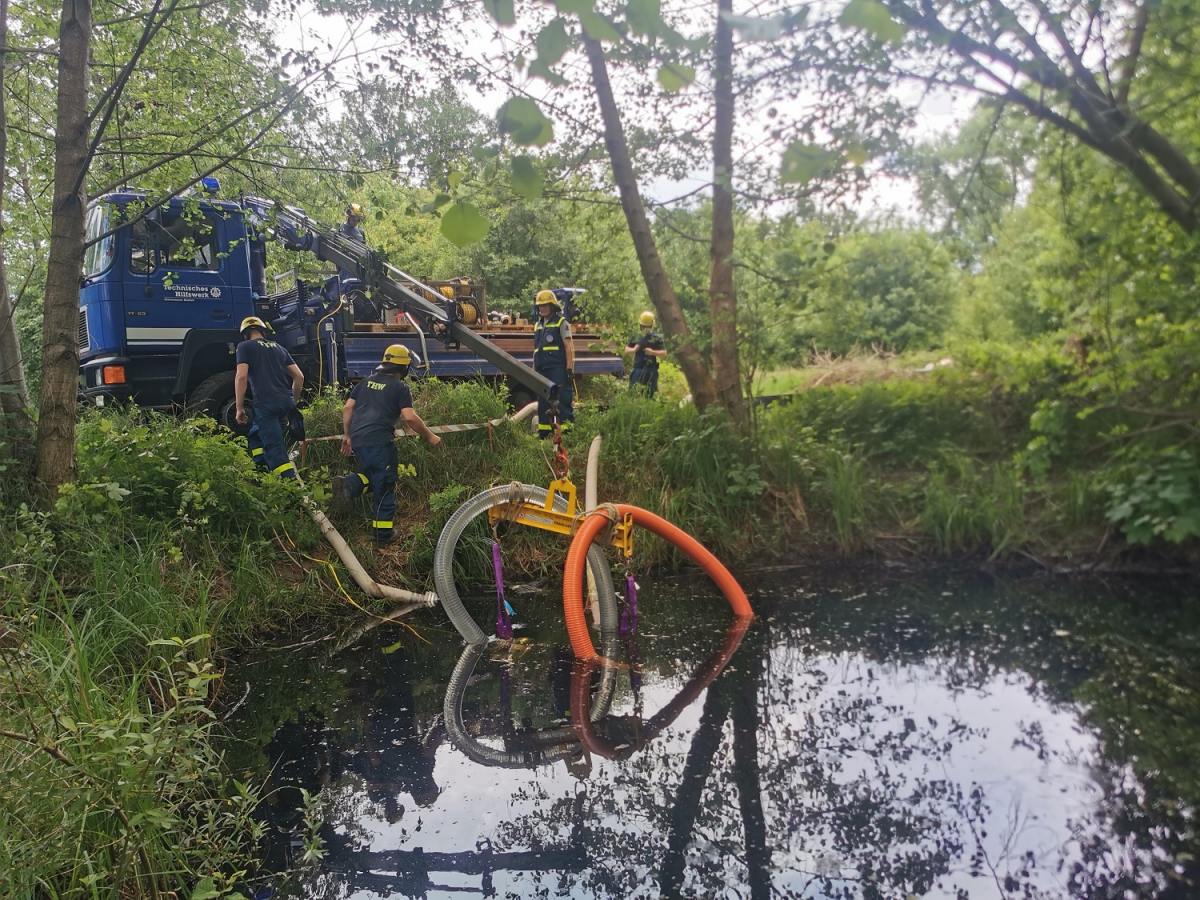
(378, 401)
(352, 231)
(650, 339)
(270, 381)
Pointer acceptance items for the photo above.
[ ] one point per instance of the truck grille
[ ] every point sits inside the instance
(83, 340)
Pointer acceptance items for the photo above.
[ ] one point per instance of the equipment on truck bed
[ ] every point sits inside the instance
(164, 287)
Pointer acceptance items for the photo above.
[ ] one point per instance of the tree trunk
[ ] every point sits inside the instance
(60, 360)
(696, 769)
(658, 283)
(14, 396)
(743, 684)
(722, 301)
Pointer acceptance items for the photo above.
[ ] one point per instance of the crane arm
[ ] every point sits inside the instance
(296, 230)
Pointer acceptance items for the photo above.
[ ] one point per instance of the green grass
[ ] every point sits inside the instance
(855, 368)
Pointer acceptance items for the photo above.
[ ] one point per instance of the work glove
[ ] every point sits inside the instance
(570, 374)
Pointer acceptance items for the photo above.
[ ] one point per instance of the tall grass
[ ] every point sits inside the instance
(113, 606)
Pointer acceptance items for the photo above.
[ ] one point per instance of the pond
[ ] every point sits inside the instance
(890, 734)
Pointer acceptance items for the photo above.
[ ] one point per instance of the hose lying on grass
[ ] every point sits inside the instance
(362, 578)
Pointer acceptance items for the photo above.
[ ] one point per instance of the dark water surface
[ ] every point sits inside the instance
(871, 736)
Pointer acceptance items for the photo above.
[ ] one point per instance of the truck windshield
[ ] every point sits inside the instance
(99, 255)
(174, 239)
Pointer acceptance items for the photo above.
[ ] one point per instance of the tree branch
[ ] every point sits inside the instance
(112, 96)
(1129, 69)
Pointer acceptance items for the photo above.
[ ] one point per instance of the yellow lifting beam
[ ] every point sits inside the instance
(545, 517)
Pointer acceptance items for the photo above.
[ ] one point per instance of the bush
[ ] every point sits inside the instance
(137, 467)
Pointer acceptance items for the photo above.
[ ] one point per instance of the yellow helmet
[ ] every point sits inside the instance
(646, 319)
(254, 322)
(397, 355)
(354, 209)
(547, 296)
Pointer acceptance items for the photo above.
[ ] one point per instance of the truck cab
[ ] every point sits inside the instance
(161, 297)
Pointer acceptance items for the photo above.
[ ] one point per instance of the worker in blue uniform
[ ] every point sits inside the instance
(275, 383)
(350, 228)
(554, 357)
(647, 349)
(368, 431)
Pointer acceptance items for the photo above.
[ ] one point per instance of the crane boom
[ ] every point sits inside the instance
(298, 231)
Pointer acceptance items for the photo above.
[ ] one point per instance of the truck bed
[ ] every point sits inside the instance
(364, 348)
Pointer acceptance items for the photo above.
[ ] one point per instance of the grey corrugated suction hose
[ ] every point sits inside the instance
(545, 747)
(443, 559)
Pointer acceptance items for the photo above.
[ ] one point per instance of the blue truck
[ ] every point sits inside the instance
(165, 286)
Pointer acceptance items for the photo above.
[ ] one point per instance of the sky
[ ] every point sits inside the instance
(887, 198)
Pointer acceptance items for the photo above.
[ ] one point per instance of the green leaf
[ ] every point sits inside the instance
(857, 154)
(527, 180)
(463, 224)
(674, 77)
(454, 179)
(754, 28)
(672, 38)
(205, 890)
(598, 27)
(804, 162)
(872, 16)
(574, 7)
(644, 16)
(502, 11)
(521, 118)
(436, 203)
(552, 42)
(538, 69)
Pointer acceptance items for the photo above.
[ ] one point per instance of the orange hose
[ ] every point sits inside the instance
(577, 627)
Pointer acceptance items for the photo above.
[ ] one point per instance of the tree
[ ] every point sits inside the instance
(1072, 66)
(217, 124)
(14, 396)
(60, 360)
(658, 282)
(892, 289)
(722, 298)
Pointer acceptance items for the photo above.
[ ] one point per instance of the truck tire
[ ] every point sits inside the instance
(214, 397)
(519, 396)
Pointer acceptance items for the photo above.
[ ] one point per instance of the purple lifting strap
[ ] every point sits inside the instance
(629, 617)
(503, 610)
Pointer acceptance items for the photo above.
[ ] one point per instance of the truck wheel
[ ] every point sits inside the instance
(214, 397)
(519, 397)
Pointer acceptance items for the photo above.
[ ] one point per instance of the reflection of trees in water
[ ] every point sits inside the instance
(1122, 662)
(738, 810)
(801, 777)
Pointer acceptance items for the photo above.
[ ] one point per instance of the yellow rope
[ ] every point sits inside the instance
(338, 581)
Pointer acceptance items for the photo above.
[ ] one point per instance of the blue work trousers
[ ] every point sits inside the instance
(268, 438)
(377, 474)
(566, 398)
(644, 379)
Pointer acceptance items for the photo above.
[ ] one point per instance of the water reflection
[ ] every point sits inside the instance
(932, 739)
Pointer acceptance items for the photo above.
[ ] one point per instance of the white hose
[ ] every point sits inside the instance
(591, 491)
(529, 409)
(366, 583)
(591, 488)
(461, 518)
